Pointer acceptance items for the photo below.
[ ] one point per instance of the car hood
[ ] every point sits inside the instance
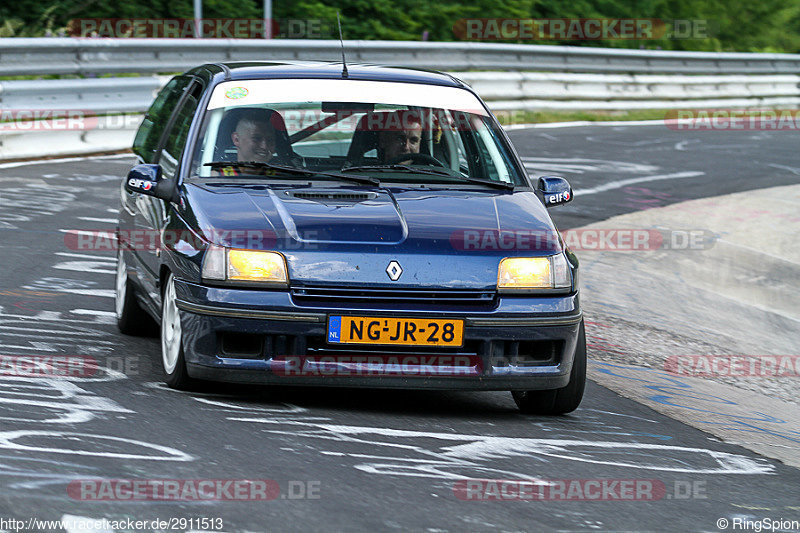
(350, 234)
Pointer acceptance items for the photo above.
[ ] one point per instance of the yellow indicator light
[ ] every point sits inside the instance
(247, 265)
(525, 273)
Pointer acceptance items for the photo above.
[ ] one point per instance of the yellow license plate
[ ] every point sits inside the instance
(405, 331)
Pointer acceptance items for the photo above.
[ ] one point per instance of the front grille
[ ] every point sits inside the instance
(425, 298)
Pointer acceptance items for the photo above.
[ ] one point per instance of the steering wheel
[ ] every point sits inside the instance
(415, 158)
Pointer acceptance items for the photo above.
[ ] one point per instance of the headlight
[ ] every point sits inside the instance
(528, 274)
(246, 266)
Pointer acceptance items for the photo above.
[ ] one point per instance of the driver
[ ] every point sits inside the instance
(402, 134)
(254, 137)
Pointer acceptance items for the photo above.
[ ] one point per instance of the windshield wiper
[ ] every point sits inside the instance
(490, 183)
(292, 170)
(434, 171)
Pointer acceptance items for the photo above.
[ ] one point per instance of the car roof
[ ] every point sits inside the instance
(249, 70)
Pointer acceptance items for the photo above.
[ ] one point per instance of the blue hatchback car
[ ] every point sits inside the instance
(291, 223)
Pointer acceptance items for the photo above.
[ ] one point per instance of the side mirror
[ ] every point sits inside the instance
(147, 179)
(555, 190)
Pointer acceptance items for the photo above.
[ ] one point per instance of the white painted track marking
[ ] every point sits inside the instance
(16, 164)
(644, 179)
(104, 220)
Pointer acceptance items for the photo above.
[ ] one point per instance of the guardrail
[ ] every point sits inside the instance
(97, 95)
(531, 77)
(81, 56)
(572, 91)
(502, 90)
(30, 142)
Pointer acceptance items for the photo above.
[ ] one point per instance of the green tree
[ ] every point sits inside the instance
(732, 25)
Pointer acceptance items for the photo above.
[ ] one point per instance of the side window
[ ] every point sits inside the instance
(146, 142)
(170, 156)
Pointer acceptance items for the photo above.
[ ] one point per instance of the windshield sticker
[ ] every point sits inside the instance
(236, 93)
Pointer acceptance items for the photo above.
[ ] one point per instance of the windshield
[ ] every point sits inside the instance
(426, 134)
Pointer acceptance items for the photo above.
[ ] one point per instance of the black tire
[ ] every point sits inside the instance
(173, 361)
(563, 400)
(131, 318)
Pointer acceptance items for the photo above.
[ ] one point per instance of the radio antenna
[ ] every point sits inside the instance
(341, 41)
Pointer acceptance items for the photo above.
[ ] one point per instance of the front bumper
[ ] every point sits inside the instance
(523, 343)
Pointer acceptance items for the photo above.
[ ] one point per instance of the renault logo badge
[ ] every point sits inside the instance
(394, 270)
